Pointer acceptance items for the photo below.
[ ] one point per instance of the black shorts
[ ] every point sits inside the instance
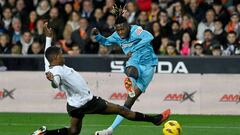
(95, 106)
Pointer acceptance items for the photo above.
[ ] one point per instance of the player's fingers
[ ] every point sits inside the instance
(49, 76)
(125, 6)
(45, 24)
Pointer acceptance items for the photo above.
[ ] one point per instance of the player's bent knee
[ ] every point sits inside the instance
(132, 71)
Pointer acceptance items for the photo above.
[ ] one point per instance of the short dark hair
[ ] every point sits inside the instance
(208, 30)
(172, 44)
(231, 32)
(120, 20)
(52, 51)
(218, 20)
(198, 44)
(176, 23)
(26, 31)
(216, 46)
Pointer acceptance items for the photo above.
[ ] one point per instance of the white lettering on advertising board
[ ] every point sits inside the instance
(163, 67)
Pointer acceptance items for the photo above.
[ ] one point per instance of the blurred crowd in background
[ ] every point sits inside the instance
(179, 27)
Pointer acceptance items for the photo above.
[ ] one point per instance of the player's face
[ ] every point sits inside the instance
(122, 30)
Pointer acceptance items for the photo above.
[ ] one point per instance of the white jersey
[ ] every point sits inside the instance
(69, 81)
(73, 84)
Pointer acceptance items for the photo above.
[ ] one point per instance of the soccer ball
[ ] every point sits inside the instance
(172, 127)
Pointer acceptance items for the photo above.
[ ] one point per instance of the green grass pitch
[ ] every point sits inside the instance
(25, 123)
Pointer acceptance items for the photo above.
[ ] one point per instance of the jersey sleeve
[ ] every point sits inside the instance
(144, 36)
(47, 45)
(106, 41)
(56, 81)
(57, 76)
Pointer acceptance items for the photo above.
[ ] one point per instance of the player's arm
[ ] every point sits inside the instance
(144, 36)
(103, 40)
(55, 79)
(48, 32)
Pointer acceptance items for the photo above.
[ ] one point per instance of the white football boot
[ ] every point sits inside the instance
(40, 131)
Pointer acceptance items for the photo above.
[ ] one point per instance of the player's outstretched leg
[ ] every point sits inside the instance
(74, 129)
(135, 116)
(43, 131)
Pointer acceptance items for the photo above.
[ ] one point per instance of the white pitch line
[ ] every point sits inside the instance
(207, 127)
(122, 125)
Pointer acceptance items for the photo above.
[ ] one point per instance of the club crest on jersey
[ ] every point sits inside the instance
(124, 45)
(139, 30)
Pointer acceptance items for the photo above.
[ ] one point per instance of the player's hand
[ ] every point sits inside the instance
(48, 32)
(129, 54)
(49, 76)
(94, 32)
(125, 12)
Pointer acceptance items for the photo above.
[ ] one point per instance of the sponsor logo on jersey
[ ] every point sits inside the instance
(124, 45)
(139, 30)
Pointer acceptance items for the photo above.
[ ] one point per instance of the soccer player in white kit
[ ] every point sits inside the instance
(80, 100)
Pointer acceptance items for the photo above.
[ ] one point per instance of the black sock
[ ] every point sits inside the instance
(62, 131)
(143, 117)
(147, 118)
